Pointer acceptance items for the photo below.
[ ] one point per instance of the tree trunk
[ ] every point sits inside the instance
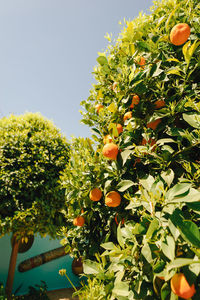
(11, 270)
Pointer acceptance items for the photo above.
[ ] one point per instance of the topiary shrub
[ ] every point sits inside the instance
(33, 153)
(147, 81)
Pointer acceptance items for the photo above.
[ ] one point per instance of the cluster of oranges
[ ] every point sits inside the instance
(178, 36)
(112, 199)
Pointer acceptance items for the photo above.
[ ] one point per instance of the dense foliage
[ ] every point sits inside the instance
(157, 169)
(32, 154)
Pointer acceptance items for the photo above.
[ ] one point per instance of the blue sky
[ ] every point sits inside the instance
(48, 49)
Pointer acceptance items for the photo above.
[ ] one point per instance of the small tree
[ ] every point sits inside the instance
(32, 154)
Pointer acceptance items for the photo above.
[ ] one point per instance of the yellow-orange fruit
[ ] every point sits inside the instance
(107, 139)
(79, 221)
(98, 107)
(159, 104)
(181, 287)
(95, 194)
(128, 115)
(119, 128)
(135, 100)
(179, 34)
(141, 61)
(153, 125)
(113, 199)
(110, 151)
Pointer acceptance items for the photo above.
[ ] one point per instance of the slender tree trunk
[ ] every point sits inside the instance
(11, 270)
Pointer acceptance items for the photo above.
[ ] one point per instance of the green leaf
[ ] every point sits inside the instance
(91, 267)
(175, 71)
(168, 247)
(125, 155)
(120, 239)
(165, 291)
(177, 190)
(188, 230)
(147, 182)
(152, 228)
(124, 185)
(112, 107)
(193, 119)
(181, 262)
(121, 289)
(102, 60)
(194, 206)
(186, 54)
(168, 176)
(108, 246)
(146, 252)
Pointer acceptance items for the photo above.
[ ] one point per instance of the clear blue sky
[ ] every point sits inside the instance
(48, 49)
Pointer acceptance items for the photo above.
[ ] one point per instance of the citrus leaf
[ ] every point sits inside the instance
(192, 119)
(125, 185)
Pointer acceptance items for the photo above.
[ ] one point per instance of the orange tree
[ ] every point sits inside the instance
(147, 81)
(32, 154)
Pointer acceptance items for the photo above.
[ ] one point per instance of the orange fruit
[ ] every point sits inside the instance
(141, 61)
(95, 194)
(79, 221)
(119, 128)
(135, 100)
(159, 104)
(153, 125)
(113, 199)
(110, 151)
(98, 107)
(128, 115)
(107, 139)
(181, 287)
(179, 34)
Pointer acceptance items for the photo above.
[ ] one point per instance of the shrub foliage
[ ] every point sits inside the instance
(32, 154)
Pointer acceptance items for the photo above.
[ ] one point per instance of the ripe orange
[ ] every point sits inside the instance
(119, 128)
(141, 61)
(79, 221)
(153, 125)
(159, 104)
(181, 287)
(95, 194)
(110, 151)
(98, 107)
(107, 139)
(113, 199)
(135, 100)
(128, 115)
(179, 34)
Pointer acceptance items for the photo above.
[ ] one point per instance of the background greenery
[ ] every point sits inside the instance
(32, 154)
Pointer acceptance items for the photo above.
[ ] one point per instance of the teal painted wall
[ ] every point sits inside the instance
(47, 272)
